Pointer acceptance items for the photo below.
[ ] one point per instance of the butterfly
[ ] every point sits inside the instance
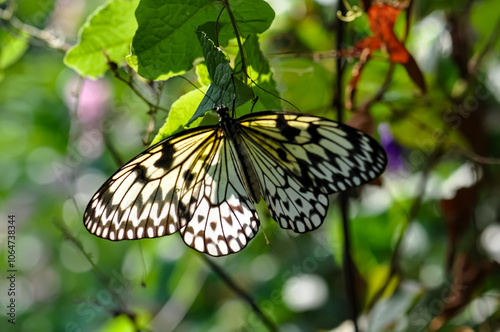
(204, 182)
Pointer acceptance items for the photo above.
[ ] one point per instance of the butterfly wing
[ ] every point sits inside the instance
(224, 218)
(184, 183)
(303, 158)
(290, 203)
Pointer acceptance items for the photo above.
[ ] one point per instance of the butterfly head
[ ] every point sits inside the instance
(223, 112)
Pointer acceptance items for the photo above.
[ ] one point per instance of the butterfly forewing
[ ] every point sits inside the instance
(321, 154)
(186, 183)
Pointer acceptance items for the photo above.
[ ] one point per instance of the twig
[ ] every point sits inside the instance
(48, 37)
(152, 113)
(114, 68)
(114, 153)
(240, 292)
(476, 60)
(394, 266)
(315, 55)
(344, 198)
(101, 276)
(477, 158)
(78, 244)
(383, 89)
(225, 3)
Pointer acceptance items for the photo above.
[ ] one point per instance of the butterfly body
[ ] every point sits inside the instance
(203, 182)
(246, 168)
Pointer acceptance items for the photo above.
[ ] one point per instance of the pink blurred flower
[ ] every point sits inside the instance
(92, 97)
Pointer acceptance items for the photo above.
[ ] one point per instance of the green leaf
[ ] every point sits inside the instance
(252, 17)
(180, 113)
(260, 72)
(165, 44)
(109, 29)
(308, 84)
(225, 88)
(120, 323)
(202, 72)
(34, 12)
(483, 15)
(429, 130)
(11, 49)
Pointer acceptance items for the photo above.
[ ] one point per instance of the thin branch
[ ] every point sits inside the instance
(152, 112)
(48, 37)
(114, 68)
(344, 196)
(225, 3)
(421, 187)
(314, 55)
(381, 91)
(78, 244)
(477, 59)
(101, 276)
(240, 292)
(477, 158)
(114, 153)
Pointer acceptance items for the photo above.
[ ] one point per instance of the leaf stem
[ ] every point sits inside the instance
(48, 37)
(421, 188)
(344, 196)
(225, 3)
(241, 293)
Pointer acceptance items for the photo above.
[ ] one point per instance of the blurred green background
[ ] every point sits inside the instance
(426, 241)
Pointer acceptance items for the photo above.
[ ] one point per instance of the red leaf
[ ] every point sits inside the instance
(382, 18)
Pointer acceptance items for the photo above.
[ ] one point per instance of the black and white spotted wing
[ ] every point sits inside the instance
(204, 182)
(186, 183)
(303, 158)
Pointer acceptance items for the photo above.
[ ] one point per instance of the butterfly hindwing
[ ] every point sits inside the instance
(290, 203)
(224, 219)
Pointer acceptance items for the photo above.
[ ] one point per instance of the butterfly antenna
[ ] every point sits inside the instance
(197, 88)
(272, 94)
(254, 99)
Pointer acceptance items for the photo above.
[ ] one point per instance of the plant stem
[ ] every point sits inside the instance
(344, 198)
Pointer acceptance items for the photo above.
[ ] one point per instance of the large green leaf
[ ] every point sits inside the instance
(109, 29)
(165, 43)
(180, 113)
